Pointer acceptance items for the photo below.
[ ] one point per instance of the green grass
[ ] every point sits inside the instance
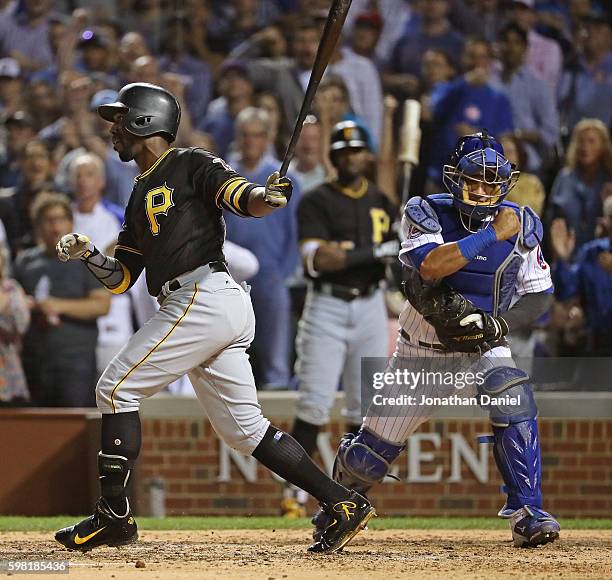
(48, 524)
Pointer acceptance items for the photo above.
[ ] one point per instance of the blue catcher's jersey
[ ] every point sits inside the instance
(499, 273)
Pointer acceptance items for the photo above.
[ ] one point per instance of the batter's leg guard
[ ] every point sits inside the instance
(114, 473)
(506, 394)
(362, 461)
(106, 527)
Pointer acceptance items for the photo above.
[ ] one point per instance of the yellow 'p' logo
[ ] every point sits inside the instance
(347, 133)
(380, 224)
(158, 201)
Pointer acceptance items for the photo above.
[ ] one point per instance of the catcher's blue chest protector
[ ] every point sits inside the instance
(489, 280)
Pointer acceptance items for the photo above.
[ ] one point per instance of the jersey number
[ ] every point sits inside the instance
(380, 224)
(158, 201)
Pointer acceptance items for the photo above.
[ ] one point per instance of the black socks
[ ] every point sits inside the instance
(121, 434)
(120, 447)
(283, 455)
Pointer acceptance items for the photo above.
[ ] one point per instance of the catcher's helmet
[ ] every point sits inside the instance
(348, 134)
(148, 110)
(478, 157)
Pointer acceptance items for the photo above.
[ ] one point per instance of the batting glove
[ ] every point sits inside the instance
(278, 190)
(73, 247)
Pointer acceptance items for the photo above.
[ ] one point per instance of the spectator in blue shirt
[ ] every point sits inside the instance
(236, 94)
(273, 240)
(586, 284)
(24, 35)
(586, 86)
(433, 31)
(534, 108)
(465, 106)
(234, 22)
(97, 54)
(177, 57)
(577, 191)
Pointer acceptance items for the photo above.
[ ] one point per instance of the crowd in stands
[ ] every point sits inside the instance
(537, 74)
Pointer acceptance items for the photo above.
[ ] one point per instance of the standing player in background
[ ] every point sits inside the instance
(474, 271)
(100, 219)
(174, 230)
(345, 236)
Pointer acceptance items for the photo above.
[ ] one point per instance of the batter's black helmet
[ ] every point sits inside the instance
(148, 110)
(348, 134)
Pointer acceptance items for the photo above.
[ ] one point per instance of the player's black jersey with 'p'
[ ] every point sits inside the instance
(357, 220)
(173, 222)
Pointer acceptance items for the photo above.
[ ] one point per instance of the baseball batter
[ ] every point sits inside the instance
(174, 230)
(473, 272)
(345, 236)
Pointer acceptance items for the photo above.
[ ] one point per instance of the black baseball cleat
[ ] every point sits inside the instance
(103, 528)
(320, 521)
(346, 519)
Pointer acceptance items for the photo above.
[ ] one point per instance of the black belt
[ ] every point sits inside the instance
(345, 293)
(433, 345)
(218, 266)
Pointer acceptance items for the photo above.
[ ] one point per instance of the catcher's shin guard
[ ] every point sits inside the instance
(517, 454)
(103, 528)
(362, 460)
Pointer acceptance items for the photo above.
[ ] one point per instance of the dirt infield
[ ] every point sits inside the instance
(267, 554)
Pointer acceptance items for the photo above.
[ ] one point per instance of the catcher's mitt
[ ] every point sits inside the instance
(460, 326)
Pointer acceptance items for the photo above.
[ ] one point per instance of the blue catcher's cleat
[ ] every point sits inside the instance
(533, 527)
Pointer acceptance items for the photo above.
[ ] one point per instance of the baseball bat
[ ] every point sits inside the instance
(410, 141)
(329, 38)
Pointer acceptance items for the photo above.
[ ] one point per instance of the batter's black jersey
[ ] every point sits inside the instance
(173, 222)
(357, 220)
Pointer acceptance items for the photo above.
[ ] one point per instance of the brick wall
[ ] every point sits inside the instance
(577, 470)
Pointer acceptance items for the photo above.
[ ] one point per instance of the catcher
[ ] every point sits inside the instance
(473, 272)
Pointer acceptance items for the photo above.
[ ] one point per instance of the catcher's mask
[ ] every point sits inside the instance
(479, 178)
(148, 110)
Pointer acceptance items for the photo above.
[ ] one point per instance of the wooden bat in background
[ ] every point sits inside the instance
(329, 38)
(410, 142)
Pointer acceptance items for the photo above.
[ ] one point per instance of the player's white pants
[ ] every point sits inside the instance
(398, 425)
(202, 329)
(333, 336)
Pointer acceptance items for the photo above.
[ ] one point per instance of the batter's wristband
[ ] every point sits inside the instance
(91, 252)
(361, 256)
(472, 245)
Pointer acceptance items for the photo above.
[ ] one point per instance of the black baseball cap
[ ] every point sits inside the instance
(22, 118)
(92, 37)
